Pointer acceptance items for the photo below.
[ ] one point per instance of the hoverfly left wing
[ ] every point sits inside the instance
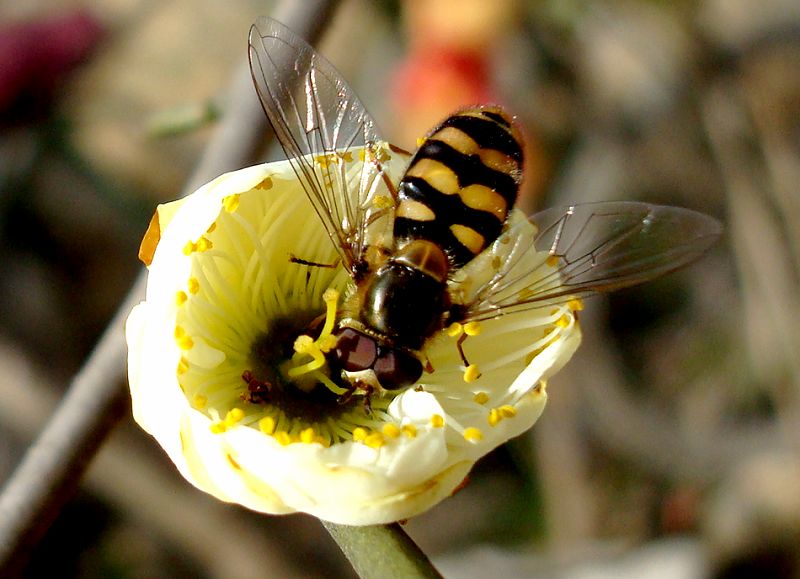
(570, 252)
(317, 118)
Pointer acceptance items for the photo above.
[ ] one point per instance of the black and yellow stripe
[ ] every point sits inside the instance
(461, 184)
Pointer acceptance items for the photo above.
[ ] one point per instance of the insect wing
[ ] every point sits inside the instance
(317, 117)
(569, 252)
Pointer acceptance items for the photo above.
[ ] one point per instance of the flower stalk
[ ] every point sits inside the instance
(379, 551)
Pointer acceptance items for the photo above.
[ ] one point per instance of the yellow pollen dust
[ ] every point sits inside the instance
(410, 431)
(564, 321)
(481, 398)
(359, 434)
(421, 141)
(183, 366)
(217, 428)
(193, 285)
(472, 373)
(437, 421)
(211, 227)
(552, 260)
(473, 434)
(199, 402)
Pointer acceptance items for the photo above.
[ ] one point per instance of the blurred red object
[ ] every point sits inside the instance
(35, 56)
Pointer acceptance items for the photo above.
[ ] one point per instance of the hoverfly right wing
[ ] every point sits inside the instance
(571, 252)
(317, 117)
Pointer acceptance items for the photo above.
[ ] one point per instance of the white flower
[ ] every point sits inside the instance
(224, 299)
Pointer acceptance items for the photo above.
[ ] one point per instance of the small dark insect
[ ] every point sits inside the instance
(407, 244)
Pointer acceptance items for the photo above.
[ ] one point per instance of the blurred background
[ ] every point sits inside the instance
(671, 443)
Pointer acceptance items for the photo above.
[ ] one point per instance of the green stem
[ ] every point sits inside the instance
(381, 551)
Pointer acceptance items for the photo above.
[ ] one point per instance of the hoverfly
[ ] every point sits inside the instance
(440, 246)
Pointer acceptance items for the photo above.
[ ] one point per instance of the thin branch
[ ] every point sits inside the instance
(51, 469)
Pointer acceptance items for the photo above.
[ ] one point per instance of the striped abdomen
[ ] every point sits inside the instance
(461, 184)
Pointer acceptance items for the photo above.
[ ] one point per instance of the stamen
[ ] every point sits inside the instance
(391, 430)
(410, 430)
(437, 421)
(471, 373)
(472, 434)
(267, 425)
(481, 398)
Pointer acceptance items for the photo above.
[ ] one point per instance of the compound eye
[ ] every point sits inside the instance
(354, 351)
(396, 369)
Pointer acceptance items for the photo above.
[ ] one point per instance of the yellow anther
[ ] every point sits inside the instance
(347, 156)
(182, 339)
(308, 435)
(576, 304)
(420, 141)
(552, 260)
(231, 202)
(471, 373)
(189, 248)
(203, 244)
(564, 321)
(472, 434)
(437, 421)
(211, 227)
(481, 398)
(494, 417)
(180, 298)
(391, 430)
(267, 425)
(217, 428)
(359, 434)
(507, 411)
(410, 431)
(233, 416)
(183, 366)
(193, 285)
(327, 343)
(199, 401)
(472, 328)
(265, 184)
(454, 330)
(303, 344)
(374, 440)
(283, 438)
